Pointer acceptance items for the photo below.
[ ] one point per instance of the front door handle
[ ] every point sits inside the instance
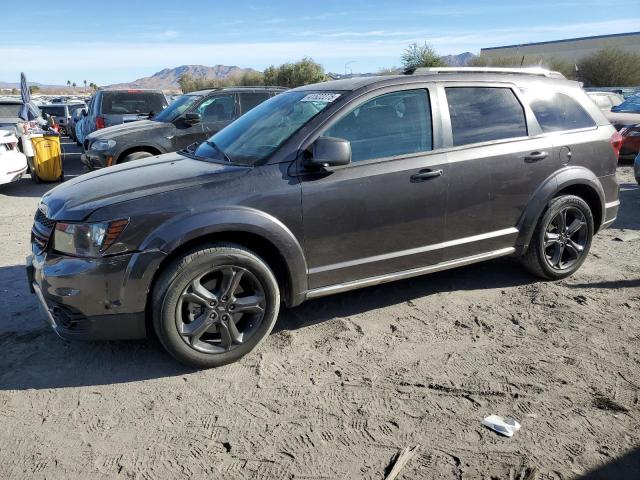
(536, 156)
(423, 175)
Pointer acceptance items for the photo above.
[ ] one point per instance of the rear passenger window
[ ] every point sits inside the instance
(389, 125)
(482, 114)
(558, 112)
(250, 100)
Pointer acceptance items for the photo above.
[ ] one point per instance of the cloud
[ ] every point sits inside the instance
(168, 34)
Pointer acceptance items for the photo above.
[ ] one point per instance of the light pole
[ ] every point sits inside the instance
(347, 64)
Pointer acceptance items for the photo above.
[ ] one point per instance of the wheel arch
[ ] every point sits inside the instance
(578, 181)
(153, 150)
(263, 234)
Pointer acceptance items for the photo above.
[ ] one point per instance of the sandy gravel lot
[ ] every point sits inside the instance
(344, 382)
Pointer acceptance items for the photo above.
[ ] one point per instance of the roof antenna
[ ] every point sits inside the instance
(522, 61)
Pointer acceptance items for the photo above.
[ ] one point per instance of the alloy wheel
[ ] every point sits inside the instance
(221, 309)
(565, 238)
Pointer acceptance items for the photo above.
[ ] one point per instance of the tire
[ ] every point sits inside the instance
(32, 172)
(553, 253)
(135, 156)
(178, 311)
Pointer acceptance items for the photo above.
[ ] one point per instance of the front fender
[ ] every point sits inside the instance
(559, 181)
(180, 230)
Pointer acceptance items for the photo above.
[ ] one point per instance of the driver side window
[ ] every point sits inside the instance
(393, 124)
(218, 109)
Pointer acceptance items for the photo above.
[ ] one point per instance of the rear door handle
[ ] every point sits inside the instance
(536, 156)
(423, 175)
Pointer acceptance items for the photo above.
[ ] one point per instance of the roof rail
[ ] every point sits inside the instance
(542, 72)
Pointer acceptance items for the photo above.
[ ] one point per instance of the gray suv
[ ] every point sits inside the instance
(191, 118)
(114, 107)
(323, 189)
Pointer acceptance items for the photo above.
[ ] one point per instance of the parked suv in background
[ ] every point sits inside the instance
(323, 189)
(62, 113)
(113, 107)
(606, 100)
(193, 117)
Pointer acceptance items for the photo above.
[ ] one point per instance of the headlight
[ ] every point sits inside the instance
(87, 239)
(102, 145)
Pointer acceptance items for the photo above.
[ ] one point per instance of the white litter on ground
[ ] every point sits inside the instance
(503, 426)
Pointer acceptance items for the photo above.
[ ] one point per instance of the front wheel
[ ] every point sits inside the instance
(215, 305)
(135, 156)
(561, 240)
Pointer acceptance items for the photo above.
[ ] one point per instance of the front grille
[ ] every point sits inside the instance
(42, 219)
(41, 231)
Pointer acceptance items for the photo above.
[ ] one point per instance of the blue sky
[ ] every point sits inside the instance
(116, 41)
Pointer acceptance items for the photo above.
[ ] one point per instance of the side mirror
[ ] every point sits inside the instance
(192, 118)
(84, 112)
(45, 115)
(330, 152)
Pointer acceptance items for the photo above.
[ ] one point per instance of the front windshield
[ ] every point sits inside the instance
(631, 105)
(257, 134)
(177, 108)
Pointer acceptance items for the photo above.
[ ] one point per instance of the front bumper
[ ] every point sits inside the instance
(93, 298)
(12, 176)
(94, 160)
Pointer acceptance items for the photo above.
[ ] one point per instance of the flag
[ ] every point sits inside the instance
(26, 113)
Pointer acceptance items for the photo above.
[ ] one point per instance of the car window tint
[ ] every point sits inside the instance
(482, 114)
(54, 111)
(389, 125)
(217, 109)
(9, 109)
(249, 100)
(558, 112)
(124, 103)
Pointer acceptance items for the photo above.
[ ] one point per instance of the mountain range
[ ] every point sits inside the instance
(167, 79)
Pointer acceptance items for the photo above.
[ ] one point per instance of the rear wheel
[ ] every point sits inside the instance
(135, 156)
(562, 239)
(215, 305)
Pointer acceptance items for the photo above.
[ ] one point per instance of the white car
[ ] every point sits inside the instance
(13, 163)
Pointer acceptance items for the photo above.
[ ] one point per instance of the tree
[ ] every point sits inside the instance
(610, 67)
(34, 89)
(416, 56)
(14, 91)
(74, 84)
(293, 75)
(68, 83)
(565, 67)
(85, 84)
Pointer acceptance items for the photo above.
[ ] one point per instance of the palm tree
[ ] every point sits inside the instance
(85, 84)
(68, 83)
(74, 84)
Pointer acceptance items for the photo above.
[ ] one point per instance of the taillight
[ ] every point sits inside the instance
(99, 123)
(616, 143)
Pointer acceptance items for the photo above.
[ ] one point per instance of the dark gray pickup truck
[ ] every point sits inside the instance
(191, 118)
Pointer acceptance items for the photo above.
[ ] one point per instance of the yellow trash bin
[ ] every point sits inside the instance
(47, 160)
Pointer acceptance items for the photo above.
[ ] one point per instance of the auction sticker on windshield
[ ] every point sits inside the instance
(320, 97)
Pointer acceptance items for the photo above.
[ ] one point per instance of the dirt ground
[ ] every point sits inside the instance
(344, 382)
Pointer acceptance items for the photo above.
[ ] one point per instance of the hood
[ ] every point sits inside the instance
(126, 129)
(76, 199)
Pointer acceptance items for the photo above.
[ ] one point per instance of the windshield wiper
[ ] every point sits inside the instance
(212, 144)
